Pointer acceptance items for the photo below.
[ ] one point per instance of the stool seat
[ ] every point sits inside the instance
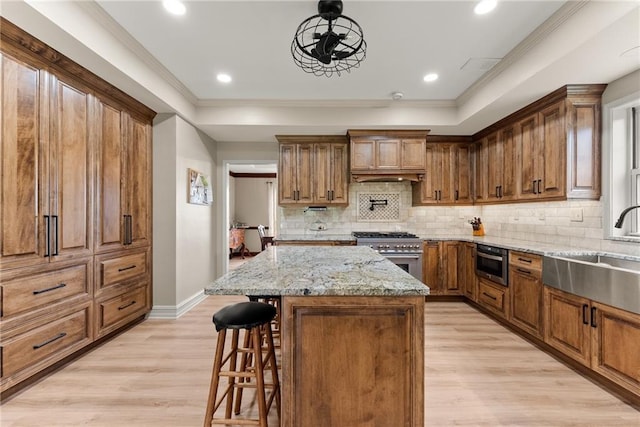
(244, 315)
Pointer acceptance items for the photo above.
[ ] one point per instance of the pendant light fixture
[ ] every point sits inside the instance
(328, 42)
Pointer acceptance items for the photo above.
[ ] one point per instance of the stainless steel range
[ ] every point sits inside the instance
(403, 249)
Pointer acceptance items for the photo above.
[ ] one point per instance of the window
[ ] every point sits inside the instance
(622, 166)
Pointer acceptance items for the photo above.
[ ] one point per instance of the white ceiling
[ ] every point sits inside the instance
(170, 62)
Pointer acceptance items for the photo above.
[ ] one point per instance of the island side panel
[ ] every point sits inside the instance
(353, 361)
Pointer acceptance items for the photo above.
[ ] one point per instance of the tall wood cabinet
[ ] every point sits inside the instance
(75, 159)
(313, 170)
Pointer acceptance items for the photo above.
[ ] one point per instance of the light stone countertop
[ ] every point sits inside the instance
(312, 236)
(318, 270)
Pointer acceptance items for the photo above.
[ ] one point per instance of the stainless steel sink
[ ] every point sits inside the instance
(607, 261)
(608, 279)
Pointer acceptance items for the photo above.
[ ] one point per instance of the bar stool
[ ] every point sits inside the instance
(255, 318)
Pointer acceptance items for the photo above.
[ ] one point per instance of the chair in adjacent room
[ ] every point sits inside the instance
(264, 239)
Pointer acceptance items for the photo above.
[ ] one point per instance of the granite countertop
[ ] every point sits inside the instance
(318, 270)
(315, 236)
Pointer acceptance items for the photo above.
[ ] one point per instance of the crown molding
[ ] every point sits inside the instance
(335, 103)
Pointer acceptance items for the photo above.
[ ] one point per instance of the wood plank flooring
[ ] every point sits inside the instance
(477, 373)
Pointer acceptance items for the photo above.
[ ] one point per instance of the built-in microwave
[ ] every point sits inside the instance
(492, 263)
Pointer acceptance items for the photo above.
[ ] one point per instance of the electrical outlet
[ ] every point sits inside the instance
(576, 215)
(540, 216)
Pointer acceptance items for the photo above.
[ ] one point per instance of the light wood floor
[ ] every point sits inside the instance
(157, 374)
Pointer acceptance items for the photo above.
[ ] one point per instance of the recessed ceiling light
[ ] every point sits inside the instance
(224, 78)
(175, 7)
(485, 6)
(431, 77)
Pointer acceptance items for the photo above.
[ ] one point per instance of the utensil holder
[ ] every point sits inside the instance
(479, 231)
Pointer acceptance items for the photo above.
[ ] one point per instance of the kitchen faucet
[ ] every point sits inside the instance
(623, 214)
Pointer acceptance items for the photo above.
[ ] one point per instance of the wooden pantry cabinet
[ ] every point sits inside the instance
(313, 170)
(448, 177)
(75, 176)
(603, 338)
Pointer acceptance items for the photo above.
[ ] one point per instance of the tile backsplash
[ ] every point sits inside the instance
(544, 222)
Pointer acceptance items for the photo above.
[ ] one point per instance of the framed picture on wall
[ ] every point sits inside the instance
(199, 191)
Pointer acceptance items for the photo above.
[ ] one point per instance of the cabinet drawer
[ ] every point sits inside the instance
(36, 291)
(526, 261)
(492, 297)
(53, 340)
(119, 269)
(115, 312)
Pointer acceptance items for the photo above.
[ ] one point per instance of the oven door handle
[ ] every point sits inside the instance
(410, 256)
(493, 257)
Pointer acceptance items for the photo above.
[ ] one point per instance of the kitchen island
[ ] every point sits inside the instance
(352, 336)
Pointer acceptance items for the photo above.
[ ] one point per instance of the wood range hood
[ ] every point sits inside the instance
(388, 155)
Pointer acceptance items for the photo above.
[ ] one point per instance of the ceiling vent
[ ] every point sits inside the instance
(480, 64)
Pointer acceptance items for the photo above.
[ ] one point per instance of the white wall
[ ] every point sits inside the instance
(184, 234)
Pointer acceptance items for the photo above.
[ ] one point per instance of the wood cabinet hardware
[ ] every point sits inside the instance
(55, 235)
(490, 296)
(585, 308)
(53, 288)
(525, 260)
(122, 307)
(127, 268)
(47, 225)
(50, 340)
(593, 317)
(522, 270)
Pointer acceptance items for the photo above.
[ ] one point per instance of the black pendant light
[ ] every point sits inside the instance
(328, 42)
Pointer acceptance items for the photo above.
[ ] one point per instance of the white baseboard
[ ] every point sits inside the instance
(175, 311)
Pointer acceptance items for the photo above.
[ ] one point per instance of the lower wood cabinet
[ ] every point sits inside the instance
(526, 299)
(493, 297)
(431, 270)
(445, 267)
(467, 271)
(37, 344)
(116, 311)
(601, 337)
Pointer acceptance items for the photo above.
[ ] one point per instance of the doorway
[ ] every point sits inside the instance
(251, 200)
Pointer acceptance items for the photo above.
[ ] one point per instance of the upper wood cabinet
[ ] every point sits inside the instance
(313, 170)
(549, 150)
(375, 154)
(123, 180)
(47, 167)
(448, 177)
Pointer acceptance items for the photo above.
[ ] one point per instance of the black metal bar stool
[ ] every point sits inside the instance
(255, 318)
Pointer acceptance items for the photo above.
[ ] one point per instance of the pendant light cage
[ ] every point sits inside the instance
(328, 43)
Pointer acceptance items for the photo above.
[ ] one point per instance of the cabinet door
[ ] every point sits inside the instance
(412, 154)
(583, 142)
(446, 162)
(304, 173)
(339, 173)
(451, 262)
(509, 160)
(469, 267)
(567, 326)
(482, 171)
(138, 182)
(552, 168)
(431, 272)
(71, 163)
(22, 166)
(495, 157)
(110, 200)
(530, 157)
(616, 345)
(363, 154)
(388, 154)
(287, 166)
(526, 299)
(461, 173)
(322, 177)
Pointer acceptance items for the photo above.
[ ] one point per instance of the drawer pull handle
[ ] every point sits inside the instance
(524, 260)
(53, 288)
(127, 268)
(122, 307)
(490, 296)
(593, 317)
(522, 270)
(585, 308)
(49, 341)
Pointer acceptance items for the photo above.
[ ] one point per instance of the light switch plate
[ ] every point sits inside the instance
(576, 215)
